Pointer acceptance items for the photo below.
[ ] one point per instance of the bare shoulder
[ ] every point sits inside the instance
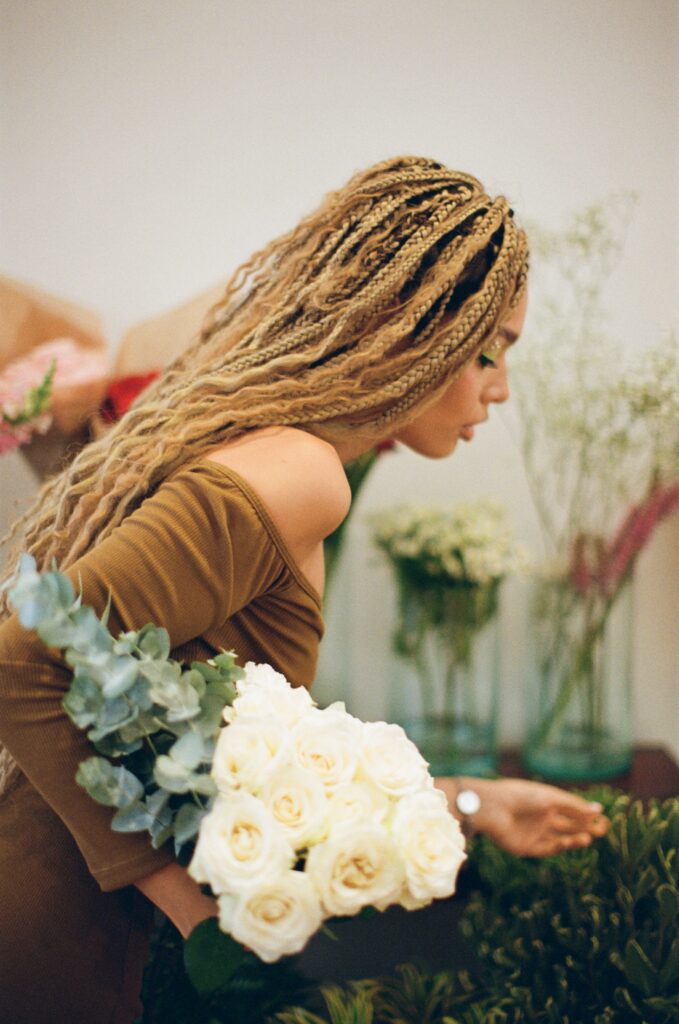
(297, 476)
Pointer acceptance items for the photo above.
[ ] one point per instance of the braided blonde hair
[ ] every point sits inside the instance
(356, 318)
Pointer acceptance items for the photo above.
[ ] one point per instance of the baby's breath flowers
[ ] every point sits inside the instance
(600, 442)
(470, 543)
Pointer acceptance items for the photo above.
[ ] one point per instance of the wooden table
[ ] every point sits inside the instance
(654, 773)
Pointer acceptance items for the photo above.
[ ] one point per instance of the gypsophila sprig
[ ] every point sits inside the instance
(600, 443)
(469, 543)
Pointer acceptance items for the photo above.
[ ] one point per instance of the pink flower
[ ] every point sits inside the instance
(635, 532)
(79, 379)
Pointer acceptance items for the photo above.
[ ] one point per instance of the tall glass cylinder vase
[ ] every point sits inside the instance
(579, 688)
(447, 642)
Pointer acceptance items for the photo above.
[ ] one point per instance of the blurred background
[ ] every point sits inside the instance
(149, 146)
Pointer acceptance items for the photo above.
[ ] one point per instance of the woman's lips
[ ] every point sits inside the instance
(467, 432)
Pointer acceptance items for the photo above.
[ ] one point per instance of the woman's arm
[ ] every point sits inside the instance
(526, 818)
(175, 893)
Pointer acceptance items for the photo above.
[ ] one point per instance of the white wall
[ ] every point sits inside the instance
(149, 145)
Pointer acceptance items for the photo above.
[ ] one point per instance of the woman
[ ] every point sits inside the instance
(387, 313)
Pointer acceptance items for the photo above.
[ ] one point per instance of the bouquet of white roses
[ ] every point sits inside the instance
(292, 814)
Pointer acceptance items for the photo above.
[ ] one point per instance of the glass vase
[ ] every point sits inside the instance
(579, 684)
(447, 640)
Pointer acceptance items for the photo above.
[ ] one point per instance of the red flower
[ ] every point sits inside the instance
(122, 392)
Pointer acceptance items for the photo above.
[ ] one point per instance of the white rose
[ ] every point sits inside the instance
(296, 798)
(274, 919)
(392, 761)
(358, 865)
(239, 843)
(265, 691)
(353, 801)
(431, 844)
(327, 742)
(250, 751)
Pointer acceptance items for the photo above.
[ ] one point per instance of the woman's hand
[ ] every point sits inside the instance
(530, 819)
(175, 893)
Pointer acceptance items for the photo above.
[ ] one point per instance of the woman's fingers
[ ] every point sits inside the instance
(577, 825)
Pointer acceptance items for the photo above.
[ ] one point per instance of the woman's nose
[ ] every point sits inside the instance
(498, 387)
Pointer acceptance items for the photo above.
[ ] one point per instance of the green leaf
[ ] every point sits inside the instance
(639, 969)
(668, 898)
(211, 957)
(83, 702)
(172, 775)
(135, 818)
(113, 715)
(116, 745)
(187, 823)
(209, 672)
(121, 675)
(188, 750)
(109, 785)
(203, 784)
(222, 689)
(669, 972)
(154, 642)
(226, 660)
(210, 719)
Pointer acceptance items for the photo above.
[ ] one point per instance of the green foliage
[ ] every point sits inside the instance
(36, 400)
(156, 719)
(587, 936)
(253, 993)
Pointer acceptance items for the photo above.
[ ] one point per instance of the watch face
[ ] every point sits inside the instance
(468, 802)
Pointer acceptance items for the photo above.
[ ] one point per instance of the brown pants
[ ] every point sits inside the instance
(68, 951)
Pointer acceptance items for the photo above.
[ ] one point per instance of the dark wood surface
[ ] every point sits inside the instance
(654, 773)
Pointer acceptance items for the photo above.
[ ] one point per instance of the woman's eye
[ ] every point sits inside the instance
(486, 360)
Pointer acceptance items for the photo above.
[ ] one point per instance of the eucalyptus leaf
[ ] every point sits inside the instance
(203, 784)
(57, 630)
(83, 701)
(109, 785)
(121, 675)
(162, 830)
(113, 715)
(154, 642)
(135, 818)
(196, 680)
(113, 745)
(211, 717)
(222, 689)
(209, 672)
(89, 634)
(156, 802)
(186, 823)
(188, 750)
(172, 775)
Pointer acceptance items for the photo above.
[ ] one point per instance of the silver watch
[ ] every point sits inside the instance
(467, 803)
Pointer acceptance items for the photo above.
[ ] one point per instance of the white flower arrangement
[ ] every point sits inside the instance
(293, 814)
(317, 815)
(469, 543)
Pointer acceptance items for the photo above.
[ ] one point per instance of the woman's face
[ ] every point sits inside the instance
(465, 404)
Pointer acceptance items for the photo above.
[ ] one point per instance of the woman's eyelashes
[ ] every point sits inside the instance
(485, 359)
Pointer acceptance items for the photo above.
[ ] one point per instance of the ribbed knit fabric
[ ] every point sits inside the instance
(202, 558)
